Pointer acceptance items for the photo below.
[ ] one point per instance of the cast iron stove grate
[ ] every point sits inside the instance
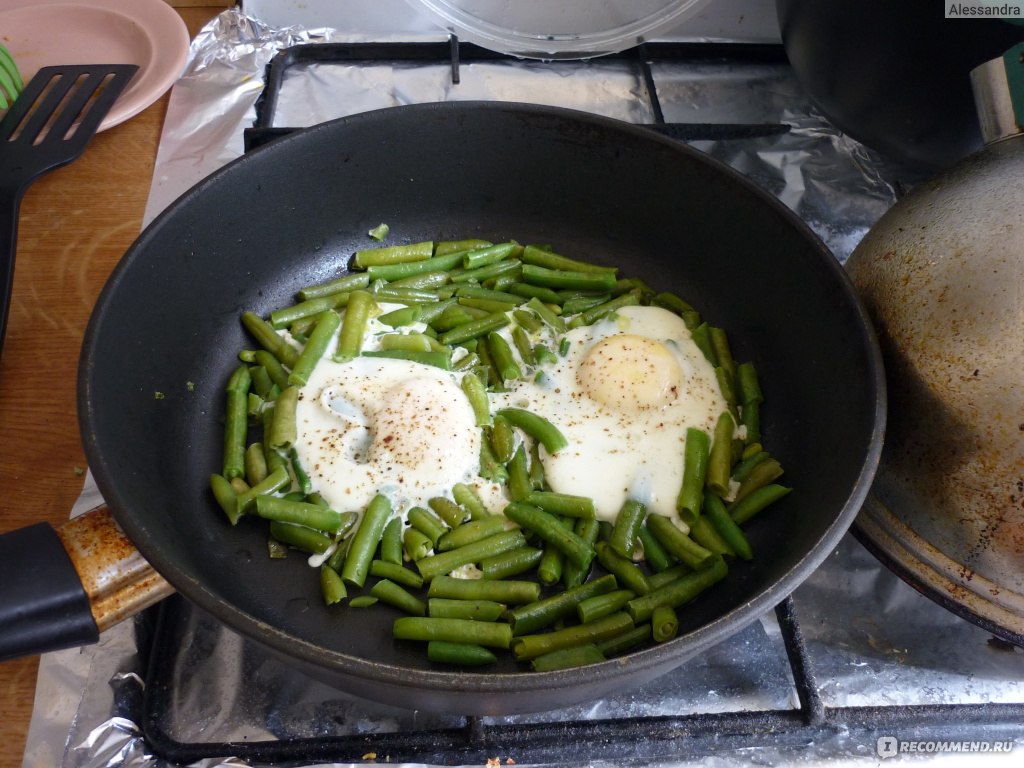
(685, 735)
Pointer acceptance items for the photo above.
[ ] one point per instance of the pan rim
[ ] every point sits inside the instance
(656, 658)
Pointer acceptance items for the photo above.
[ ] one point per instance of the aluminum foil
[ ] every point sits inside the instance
(872, 639)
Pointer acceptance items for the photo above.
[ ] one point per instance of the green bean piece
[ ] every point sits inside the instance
(539, 614)
(492, 634)
(393, 254)
(459, 246)
(581, 303)
(677, 543)
(459, 654)
(538, 480)
(427, 523)
(728, 390)
(723, 353)
(503, 439)
(613, 646)
(696, 451)
(301, 478)
(467, 498)
(501, 354)
(512, 563)
(410, 342)
(385, 293)
(301, 317)
(743, 469)
(426, 280)
(563, 504)
(395, 595)
(718, 516)
(275, 481)
(298, 513)
(479, 257)
(537, 427)
(416, 544)
(702, 338)
(300, 537)
(396, 318)
(705, 534)
(336, 559)
(470, 531)
(544, 258)
(331, 586)
(744, 509)
(678, 592)
(476, 393)
(527, 320)
(440, 360)
(507, 591)
(587, 529)
(261, 381)
(451, 513)
(477, 610)
(670, 574)
(274, 369)
(365, 541)
(626, 571)
(255, 464)
(592, 315)
(527, 647)
(475, 328)
(568, 658)
(236, 422)
(345, 283)
(391, 541)
(747, 385)
(523, 346)
(283, 428)
(655, 555)
(226, 497)
(627, 527)
(545, 313)
(764, 473)
(720, 458)
(750, 418)
(519, 485)
(275, 549)
(490, 468)
(353, 326)
(392, 272)
(548, 527)
(511, 269)
(599, 606)
(551, 565)
(545, 295)
(268, 338)
(442, 563)
(467, 362)
(574, 279)
(664, 624)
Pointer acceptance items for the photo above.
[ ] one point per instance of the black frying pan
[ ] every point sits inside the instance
(291, 214)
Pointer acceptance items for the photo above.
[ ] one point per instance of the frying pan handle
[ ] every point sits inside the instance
(62, 587)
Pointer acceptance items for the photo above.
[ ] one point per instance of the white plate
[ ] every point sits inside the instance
(145, 32)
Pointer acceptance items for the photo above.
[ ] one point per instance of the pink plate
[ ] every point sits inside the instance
(145, 32)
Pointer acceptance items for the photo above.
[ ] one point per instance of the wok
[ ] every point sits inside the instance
(291, 214)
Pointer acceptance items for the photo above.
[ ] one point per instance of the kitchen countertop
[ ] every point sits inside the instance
(75, 224)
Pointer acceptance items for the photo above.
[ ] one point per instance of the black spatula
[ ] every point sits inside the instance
(48, 126)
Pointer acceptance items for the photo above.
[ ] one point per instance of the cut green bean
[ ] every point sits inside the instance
(479, 257)
(268, 338)
(442, 563)
(459, 654)
(477, 610)
(363, 601)
(519, 485)
(255, 464)
(551, 565)
(723, 353)
(537, 427)
(501, 355)
(365, 540)
(236, 422)
(272, 483)
(545, 313)
(353, 326)
(655, 555)
(298, 513)
(476, 393)
(470, 531)
(300, 537)
(475, 328)
(451, 513)
(548, 527)
(599, 606)
(664, 624)
(427, 523)
(512, 563)
(696, 451)
(391, 541)
(492, 634)
(544, 258)
(704, 533)
(720, 458)
(226, 497)
(523, 346)
(627, 527)
(744, 509)
(300, 318)
(503, 439)
(627, 641)
(536, 615)
(564, 504)
(395, 595)
(677, 543)
(574, 279)
(527, 647)
(445, 247)
(718, 516)
(467, 498)
(283, 427)
(592, 315)
(678, 592)
(416, 544)
(587, 529)
(331, 586)
(625, 570)
(343, 284)
(764, 473)
(568, 658)
(507, 592)
(393, 254)
(392, 272)
(440, 360)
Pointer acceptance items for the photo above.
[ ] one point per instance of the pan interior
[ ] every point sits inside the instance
(166, 331)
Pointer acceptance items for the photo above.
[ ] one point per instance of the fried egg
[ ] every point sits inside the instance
(623, 395)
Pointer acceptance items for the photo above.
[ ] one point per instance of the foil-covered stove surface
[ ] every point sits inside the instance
(873, 641)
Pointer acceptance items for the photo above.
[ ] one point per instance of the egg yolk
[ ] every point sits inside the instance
(630, 373)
